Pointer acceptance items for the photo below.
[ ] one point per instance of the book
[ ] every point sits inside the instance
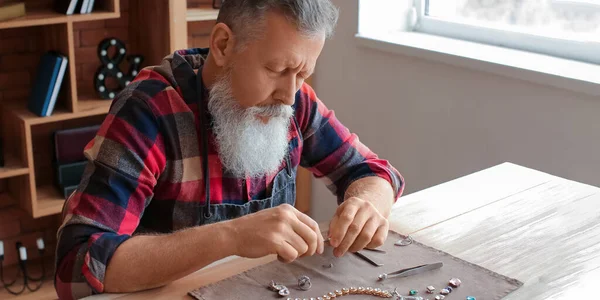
(82, 6)
(70, 143)
(59, 79)
(66, 7)
(90, 6)
(12, 10)
(43, 85)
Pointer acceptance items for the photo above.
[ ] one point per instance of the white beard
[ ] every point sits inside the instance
(247, 146)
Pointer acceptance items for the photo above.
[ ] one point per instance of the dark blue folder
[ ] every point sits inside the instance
(43, 86)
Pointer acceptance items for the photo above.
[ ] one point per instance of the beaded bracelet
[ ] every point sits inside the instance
(352, 291)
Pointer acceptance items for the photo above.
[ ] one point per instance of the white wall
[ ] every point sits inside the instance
(437, 122)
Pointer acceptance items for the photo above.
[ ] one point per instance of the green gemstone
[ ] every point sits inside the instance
(470, 298)
(413, 292)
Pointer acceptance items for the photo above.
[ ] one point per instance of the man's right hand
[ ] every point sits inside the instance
(281, 230)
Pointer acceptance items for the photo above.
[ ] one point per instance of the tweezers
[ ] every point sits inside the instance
(368, 259)
(411, 271)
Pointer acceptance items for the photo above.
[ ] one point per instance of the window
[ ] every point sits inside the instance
(563, 28)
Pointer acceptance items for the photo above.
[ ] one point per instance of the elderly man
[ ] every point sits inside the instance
(197, 159)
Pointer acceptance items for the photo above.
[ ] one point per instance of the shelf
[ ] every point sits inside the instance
(93, 107)
(202, 14)
(49, 201)
(12, 167)
(48, 17)
(86, 108)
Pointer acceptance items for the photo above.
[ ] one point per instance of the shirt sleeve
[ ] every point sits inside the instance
(124, 161)
(332, 153)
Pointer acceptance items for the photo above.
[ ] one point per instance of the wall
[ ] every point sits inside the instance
(437, 122)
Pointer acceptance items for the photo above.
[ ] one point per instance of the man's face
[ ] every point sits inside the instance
(251, 100)
(271, 69)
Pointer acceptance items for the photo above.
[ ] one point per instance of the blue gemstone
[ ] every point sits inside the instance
(470, 298)
(449, 288)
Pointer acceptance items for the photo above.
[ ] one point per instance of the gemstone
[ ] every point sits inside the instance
(345, 291)
(369, 291)
(470, 298)
(326, 297)
(319, 298)
(338, 293)
(440, 297)
(332, 295)
(449, 288)
(284, 292)
(430, 289)
(353, 290)
(455, 282)
(413, 292)
(444, 292)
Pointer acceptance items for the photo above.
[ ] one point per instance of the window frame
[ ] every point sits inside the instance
(585, 51)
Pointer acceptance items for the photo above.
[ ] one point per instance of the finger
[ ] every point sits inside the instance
(354, 229)
(307, 234)
(344, 216)
(286, 252)
(315, 228)
(365, 236)
(380, 235)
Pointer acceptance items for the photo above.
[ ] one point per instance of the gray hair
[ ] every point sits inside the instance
(311, 17)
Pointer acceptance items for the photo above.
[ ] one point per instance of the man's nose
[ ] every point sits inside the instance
(286, 93)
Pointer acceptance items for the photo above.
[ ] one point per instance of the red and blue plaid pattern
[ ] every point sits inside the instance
(144, 172)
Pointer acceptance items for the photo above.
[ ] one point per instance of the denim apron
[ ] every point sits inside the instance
(283, 189)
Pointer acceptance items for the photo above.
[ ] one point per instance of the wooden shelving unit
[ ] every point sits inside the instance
(29, 170)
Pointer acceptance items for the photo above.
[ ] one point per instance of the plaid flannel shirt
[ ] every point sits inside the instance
(144, 170)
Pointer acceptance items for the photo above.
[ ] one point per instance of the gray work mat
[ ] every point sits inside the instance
(350, 270)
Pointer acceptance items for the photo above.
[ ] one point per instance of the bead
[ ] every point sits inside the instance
(345, 291)
(470, 298)
(413, 292)
(440, 297)
(444, 292)
(361, 290)
(326, 297)
(319, 298)
(455, 282)
(332, 295)
(430, 289)
(449, 288)
(311, 298)
(369, 291)
(338, 293)
(353, 290)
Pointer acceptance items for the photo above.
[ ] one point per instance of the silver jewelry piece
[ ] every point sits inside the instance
(304, 283)
(284, 292)
(404, 242)
(328, 266)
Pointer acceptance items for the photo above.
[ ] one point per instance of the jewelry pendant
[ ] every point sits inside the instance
(455, 282)
(430, 289)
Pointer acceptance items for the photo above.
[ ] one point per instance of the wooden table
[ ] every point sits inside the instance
(535, 227)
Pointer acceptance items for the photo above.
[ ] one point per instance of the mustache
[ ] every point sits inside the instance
(272, 111)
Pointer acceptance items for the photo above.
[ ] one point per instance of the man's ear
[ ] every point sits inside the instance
(221, 44)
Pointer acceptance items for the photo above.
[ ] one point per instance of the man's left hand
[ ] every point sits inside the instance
(357, 224)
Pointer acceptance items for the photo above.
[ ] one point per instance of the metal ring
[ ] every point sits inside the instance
(304, 283)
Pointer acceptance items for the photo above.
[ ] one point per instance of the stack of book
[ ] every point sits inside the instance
(69, 7)
(70, 162)
(48, 80)
(10, 9)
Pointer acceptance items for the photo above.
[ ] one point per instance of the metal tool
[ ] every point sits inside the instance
(367, 259)
(411, 271)
(376, 250)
